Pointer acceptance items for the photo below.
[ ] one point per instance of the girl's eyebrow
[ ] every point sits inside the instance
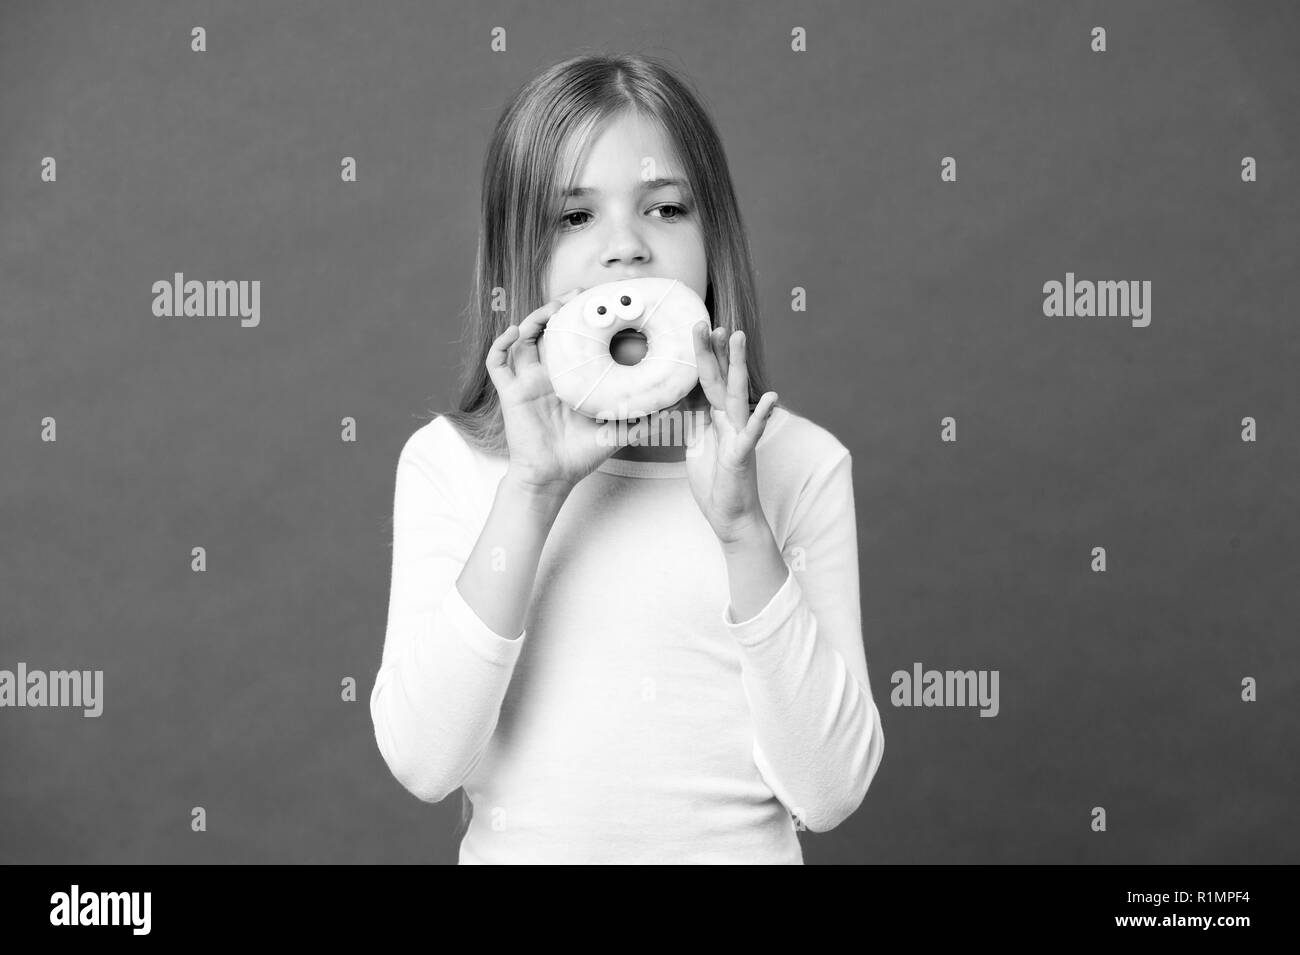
(647, 185)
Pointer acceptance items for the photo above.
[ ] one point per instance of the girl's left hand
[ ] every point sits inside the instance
(721, 462)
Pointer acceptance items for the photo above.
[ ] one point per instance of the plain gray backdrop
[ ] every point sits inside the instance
(222, 689)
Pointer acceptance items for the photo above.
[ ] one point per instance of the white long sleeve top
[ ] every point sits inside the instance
(633, 720)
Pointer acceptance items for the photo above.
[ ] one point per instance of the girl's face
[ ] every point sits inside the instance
(620, 226)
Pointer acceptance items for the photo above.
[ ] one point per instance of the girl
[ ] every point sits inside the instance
(622, 653)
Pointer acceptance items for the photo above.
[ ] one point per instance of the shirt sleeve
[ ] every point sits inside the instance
(818, 736)
(444, 673)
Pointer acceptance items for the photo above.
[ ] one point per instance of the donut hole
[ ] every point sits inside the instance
(628, 346)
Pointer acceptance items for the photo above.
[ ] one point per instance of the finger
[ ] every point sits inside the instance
(759, 419)
(718, 340)
(498, 358)
(706, 363)
(738, 382)
(525, 349)
(526, 352)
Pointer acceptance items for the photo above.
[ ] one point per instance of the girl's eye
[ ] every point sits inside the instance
(678, 211)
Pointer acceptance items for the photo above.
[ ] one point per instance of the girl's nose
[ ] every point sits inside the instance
(636, 254)
(625, 245)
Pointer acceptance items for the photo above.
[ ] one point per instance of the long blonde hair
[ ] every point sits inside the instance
(533, 157)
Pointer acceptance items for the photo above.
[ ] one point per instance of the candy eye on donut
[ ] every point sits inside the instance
(628, 305)
(597, 312)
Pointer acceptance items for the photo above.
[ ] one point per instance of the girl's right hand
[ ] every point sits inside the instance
(552, 447)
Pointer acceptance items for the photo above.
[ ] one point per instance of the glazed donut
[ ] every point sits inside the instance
(576, 348)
